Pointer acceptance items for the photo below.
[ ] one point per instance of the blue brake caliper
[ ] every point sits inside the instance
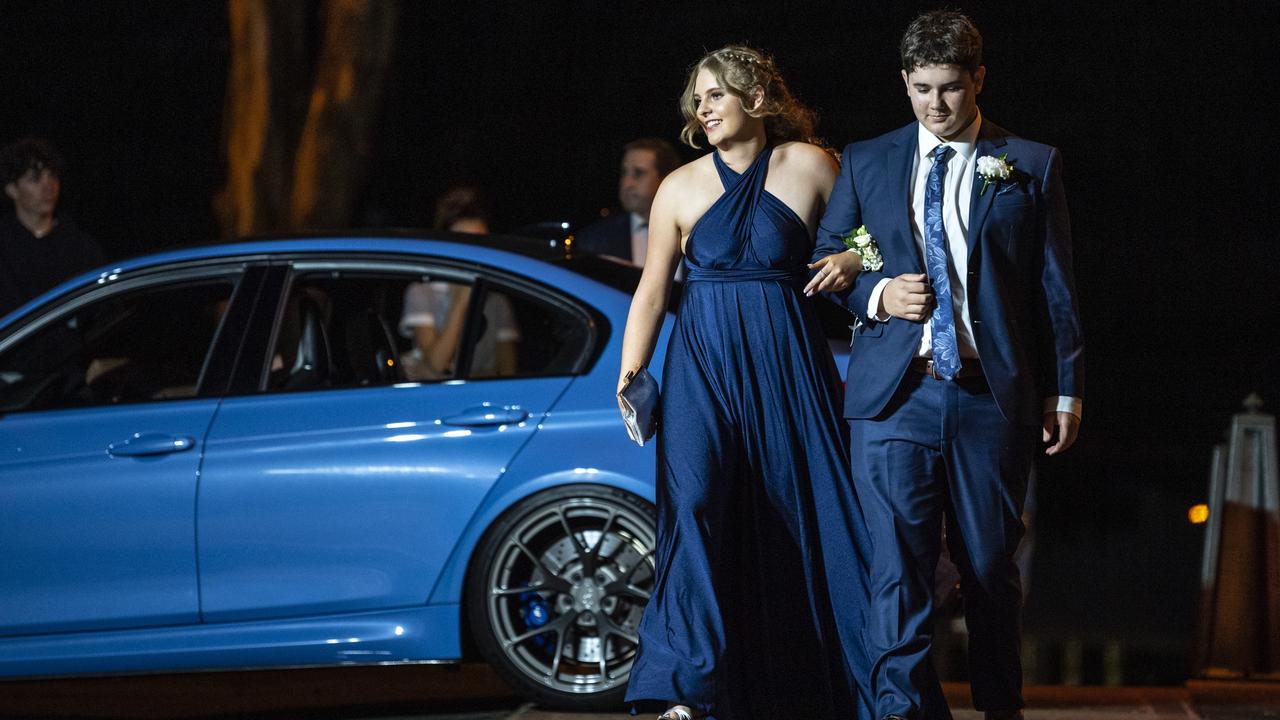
(534, 613)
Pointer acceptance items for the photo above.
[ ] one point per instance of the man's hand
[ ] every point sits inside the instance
(908, 297)
(1064, 426)
(835, 273)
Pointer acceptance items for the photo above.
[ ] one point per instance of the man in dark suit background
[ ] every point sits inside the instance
(968, 345)
(625, 235)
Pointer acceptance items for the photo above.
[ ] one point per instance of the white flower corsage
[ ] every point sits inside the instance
(861, 242)
(993, 170)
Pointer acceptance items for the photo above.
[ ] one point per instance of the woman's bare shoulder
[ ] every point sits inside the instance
(806, 156)
(689, 172)
(687, 177)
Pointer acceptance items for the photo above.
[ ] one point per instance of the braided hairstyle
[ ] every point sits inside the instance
(740, 70)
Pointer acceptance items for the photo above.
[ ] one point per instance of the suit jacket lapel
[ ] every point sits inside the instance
(898, 170)
(990, 139)
(622, 239)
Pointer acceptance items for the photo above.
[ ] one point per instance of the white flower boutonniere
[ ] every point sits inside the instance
(861, 242)
(993, 170)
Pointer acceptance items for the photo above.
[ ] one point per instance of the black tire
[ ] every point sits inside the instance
(578, 561)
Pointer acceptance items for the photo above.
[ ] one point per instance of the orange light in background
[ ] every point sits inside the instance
(1198, 514)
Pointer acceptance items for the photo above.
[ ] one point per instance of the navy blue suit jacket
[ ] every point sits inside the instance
(1021, 290)
(610, 236)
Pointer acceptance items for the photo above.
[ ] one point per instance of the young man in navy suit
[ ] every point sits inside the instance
(968, 347)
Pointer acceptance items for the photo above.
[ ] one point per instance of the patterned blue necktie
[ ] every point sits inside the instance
(946, 355)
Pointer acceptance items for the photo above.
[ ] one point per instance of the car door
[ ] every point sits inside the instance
(344, 481)
(104, 404)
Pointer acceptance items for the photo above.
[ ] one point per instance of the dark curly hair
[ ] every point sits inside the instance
(30, 153)
(739, 70)
(941, 37)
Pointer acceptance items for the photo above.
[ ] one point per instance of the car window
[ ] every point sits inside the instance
(527, 336)
(360, 329)
(515, 334)
(339, 331)
(134, 346)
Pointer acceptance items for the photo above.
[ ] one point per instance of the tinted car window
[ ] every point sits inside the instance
(134, 346)
(434, 320)
(528, 336)
(341, 330)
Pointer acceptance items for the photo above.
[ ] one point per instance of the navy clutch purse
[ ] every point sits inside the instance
(639, 396)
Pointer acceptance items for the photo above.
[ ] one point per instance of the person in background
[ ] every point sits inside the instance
(435, 312)
(460, 210)
(625, 235)
(39, 247)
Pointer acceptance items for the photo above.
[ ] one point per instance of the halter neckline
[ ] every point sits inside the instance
(747, 234)
(723, 168)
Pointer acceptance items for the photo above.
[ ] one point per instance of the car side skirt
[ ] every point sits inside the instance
(405, 635)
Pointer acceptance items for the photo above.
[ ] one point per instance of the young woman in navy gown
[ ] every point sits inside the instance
(761, 578)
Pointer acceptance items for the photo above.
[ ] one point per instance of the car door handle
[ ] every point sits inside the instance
(486, 415)
(151, 444)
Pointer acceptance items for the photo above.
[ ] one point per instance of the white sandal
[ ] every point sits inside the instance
(679, 712)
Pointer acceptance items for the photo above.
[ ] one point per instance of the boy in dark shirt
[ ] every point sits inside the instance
(38, 247)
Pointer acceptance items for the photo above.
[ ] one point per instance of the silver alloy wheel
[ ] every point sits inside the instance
(566, 589)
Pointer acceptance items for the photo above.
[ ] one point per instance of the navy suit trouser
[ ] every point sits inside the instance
(942, 448)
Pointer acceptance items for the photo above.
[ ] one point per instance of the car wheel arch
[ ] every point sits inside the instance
(448, 588)
(624, 525)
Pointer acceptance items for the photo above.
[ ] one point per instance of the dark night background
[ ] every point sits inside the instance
(1163, 113)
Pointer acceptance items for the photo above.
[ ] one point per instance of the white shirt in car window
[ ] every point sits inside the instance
(428, 305)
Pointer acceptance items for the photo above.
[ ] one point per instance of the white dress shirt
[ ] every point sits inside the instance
(957, 192)
(639, 238)
(640, 243)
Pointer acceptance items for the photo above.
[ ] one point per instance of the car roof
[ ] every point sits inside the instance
(444, 243)
(501, 251)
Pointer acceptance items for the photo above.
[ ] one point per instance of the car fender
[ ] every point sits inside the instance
(515, 487)
(581, 424)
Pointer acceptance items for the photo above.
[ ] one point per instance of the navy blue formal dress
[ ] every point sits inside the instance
(761, 588)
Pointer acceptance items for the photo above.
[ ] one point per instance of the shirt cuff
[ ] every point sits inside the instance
(873, 303)
(1065, 404)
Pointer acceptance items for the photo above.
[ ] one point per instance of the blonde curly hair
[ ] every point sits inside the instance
(740, 70)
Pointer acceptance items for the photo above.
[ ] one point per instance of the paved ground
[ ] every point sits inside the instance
(472, 692)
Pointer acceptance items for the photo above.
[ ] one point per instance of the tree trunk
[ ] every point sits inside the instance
(297, 146)
(334, 147)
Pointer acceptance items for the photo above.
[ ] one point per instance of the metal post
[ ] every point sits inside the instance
(1240, 573)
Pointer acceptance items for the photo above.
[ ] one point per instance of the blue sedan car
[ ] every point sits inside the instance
(326, 451)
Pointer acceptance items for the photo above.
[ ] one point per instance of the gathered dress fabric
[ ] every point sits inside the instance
(761, 593)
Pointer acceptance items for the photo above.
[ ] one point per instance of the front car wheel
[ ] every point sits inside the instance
(556, 591)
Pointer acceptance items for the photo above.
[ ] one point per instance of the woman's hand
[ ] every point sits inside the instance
(835, 273)
(622, 382)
